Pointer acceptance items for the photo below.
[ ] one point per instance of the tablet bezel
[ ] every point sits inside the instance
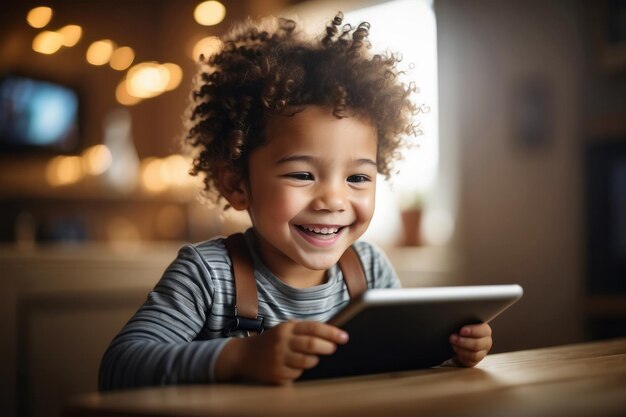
(396, 296)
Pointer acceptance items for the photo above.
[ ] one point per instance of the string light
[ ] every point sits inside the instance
(209, 13)
(99, 52)
(39, 16)
(175, 75)
(206, 46)
(123, 96)
(145, 80)
(47, 42)
(122, 58)
(71, 34)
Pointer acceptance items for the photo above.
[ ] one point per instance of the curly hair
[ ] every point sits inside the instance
(262, 72)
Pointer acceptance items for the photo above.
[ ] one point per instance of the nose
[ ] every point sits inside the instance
(330, 196)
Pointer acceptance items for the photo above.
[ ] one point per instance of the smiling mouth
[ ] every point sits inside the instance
(320, 232)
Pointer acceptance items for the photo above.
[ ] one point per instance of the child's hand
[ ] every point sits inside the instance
(280, 354)
(471, 344)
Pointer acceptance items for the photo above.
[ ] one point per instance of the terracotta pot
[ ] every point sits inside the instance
(411, 220)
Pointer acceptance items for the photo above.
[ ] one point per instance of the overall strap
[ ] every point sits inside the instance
(246, 298)
(353, 273)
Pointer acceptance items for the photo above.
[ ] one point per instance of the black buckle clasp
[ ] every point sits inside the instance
(246, 324)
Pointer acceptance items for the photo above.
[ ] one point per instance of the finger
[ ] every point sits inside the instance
(285, 375)
(301, 361)
(476, 330)
(312, 345)
(469, 358)
(321, 330)
(470, 343)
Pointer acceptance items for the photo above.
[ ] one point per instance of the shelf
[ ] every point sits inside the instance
(25, 180)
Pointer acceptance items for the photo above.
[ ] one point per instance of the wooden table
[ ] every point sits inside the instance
(575, 380)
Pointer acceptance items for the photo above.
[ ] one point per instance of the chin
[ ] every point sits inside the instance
(319, 263)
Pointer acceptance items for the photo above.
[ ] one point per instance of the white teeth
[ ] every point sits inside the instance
(323, 230)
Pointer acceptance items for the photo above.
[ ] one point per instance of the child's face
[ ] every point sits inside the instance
(312, 188)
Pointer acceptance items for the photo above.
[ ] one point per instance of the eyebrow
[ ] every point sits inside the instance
(292, 158)
(366, 161)
(307, 158)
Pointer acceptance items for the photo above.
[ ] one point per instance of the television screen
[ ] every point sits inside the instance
(37, 114)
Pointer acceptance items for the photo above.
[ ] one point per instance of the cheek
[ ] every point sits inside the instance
(276, 204)
(291, 201)
(364, 205)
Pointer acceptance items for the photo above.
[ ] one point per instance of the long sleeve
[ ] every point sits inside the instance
(160, 344)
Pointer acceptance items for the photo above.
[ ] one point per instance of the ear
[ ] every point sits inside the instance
(232, 186)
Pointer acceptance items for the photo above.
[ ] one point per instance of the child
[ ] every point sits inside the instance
(294, 132)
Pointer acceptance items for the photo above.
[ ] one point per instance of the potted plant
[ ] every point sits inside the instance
(411, 214)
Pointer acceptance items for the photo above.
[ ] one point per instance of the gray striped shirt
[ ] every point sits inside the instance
(176, 336)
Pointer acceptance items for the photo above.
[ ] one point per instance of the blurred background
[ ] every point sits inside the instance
(519, 175)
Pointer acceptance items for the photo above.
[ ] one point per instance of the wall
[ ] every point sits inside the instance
(520, 204)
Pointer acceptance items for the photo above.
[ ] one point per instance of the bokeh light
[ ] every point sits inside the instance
(99, 52)
(97, 159)
(175, 75)
(209, 13)
(122, 58)
(71, 34)
(160, 174)
(151, 177)
(123, 96)
(64, 170)
(174, 170)
(207, 46)
(47, 42)
(147, 79)
(39, 16)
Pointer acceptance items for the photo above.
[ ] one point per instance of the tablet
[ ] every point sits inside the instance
(402, 329)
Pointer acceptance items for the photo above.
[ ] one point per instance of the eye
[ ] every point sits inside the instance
(301, 176)
(359, 178)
